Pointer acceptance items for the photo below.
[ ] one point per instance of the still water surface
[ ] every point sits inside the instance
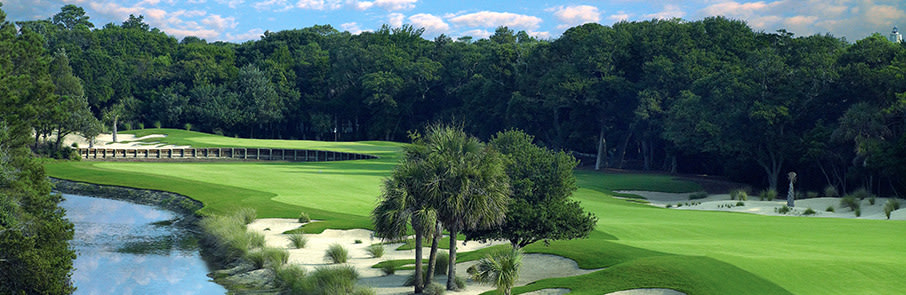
(126, 248)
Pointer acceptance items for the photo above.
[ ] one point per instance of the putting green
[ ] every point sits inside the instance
(640, 246)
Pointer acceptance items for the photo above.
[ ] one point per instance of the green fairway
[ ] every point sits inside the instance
(639, 246)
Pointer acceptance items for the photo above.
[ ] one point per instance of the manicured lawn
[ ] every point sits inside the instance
(639, 246)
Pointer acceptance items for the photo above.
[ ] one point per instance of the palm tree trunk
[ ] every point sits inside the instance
(419, 285)
(432, 257)
(451, 268)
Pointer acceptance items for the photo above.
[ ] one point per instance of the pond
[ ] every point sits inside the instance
(126, 248)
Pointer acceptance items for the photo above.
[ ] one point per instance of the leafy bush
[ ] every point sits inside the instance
(157, 124)
(783, 210)
(740, 204)
(861, 193)
(698, 195)
(246, 215)
(336, 254)
(669, 205)
(849, 201)
(141, 125)
(375, 250)
(434, 289)
(739, 194)
(298, 240)
(859, 212)
(188, 126)
(303, 217)
(441, 263)
(809, 211)
(388, 268)
(830, 208)
(358, 241)
(831, 191)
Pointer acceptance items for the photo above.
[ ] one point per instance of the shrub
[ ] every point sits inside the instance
(859, 212)
(739, 195)
(849, 201)
(127, 126)
(460, 283)
(298, 240)
(442, 263)
(698, 195)
(303, 217)
(872, 200)
(679, 205)
(861, 193)
(434, 289)
(157, 124)
(669, 206)
(336, 254)
(256, 240)
(831, 191)
(783, 210)
(358, 241)
(271, 257)
(740, 204)
(363, 291)
(830, 208)
(228, 237)
(375, 250)
(336, 280)
(246, 215)
(141, 125)
(890, 206)
(809, 211)
(410, 280)
(291, 278)
(388, 269)
(769, 195)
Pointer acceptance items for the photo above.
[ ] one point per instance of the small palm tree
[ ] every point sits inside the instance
(500, 269)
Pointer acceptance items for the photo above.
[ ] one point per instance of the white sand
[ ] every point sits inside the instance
(819, 205)
(123, 141)
(535, 266)
(648, 291)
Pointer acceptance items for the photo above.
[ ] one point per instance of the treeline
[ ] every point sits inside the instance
(708, 96)
(35, 257)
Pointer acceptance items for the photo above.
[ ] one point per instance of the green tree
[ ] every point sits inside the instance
(542, 182)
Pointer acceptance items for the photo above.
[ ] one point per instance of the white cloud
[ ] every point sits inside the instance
(252, 34)
(431, 23)
(540, 35)
(282, 5)
(670, 11)
(220, 23)
(570, 16)
(395, 19)
(231, 3)
(477, 34)
(389, 5)
(618, 17)
(319, 4)
(490, 19)
(352, 28)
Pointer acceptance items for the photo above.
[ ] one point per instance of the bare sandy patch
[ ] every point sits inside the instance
(535, 266)
(722, 202)
(124, 141)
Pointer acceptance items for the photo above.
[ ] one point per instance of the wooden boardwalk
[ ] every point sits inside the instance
(189, 154)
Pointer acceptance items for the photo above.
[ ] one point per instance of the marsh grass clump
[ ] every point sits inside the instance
(298, 240)
(831, 191)
(228, 237)
(872, 200)
(859, 212)
(246, 215)
(441, 263)
(783, 210)
(358, 241)
(739, 194)
(268, 257)
(809, 211)
(770, 194)
(434, 289)
(698, 195)
(849, 201)
(861, 194)
(830, 208)
(304, 218)
(388, 269)
(336, 254)
(890, 206)
(669, 205)
(291, 278)
(375, 250)
(335, 280)
(740, 204)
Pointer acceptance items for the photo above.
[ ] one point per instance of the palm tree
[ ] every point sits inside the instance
(403, 202)
(500, 268)
(468, 185)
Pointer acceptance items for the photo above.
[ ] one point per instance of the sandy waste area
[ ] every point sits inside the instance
(123, 141)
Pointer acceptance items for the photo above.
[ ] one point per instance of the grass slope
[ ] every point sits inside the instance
(639, 246)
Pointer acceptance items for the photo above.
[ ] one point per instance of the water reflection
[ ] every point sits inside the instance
(124, 248)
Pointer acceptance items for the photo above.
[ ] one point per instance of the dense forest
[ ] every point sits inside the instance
(710, 96)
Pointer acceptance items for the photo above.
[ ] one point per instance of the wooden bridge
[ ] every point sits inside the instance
(189, 154)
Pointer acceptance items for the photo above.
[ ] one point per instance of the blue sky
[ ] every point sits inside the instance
(242, 20)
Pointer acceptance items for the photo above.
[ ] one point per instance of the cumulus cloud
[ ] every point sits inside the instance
(669, 11)
(389, 5)
(281, 5)
(570, 16)
(490, 19)
(618, 17)
(540, 35)
(319, 4)
(352, 27)
(231, 3)
(477, 34)
(220, 23)
(395, 19)
(431, 23)
(248, 35)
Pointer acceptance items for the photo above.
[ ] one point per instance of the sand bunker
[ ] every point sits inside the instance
(722, 202)
(535, 266)
(648, 291)
(123, 141)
